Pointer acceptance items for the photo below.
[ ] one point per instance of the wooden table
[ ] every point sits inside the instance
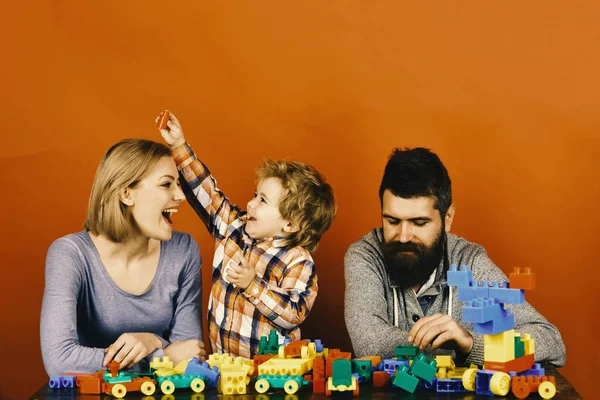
(566, 391)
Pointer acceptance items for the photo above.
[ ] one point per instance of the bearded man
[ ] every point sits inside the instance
(396, 289)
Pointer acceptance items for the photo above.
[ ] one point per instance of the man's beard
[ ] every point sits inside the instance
(412, 269)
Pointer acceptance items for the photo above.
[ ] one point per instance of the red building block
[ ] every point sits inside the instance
(517, 365)
(318, 375)
(522, 278)
(381, 379)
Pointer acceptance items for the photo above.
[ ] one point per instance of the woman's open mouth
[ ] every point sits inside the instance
(167, 213)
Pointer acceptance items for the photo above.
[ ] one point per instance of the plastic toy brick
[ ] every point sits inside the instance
(406, 352)
(333, 355)
(495, 327)
(522, 278)
(424, 368)
(391, 366)
(259, 359)
(501, 292)
(459, 276)
(163, 118)
(234, 382)
(290, 384)
(449, 385)
(158, 362)
(500, 347)
(483, 310)
(516, 365)
(536, 370)
(319, 345)
(519, 347)
(529, 343)
(375, 360)
(482, 382)
(341, 372)
(523, 385)
(444, 364)
(363, 368)
(405, 380)
(476, 290)
(195, 382)
(269, 345)
(380, 379)
(211, 375)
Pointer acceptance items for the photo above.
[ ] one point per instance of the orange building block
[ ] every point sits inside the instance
(522, 386)
(381, 379)
(333, 355)
(163, 118)
(318, 375)
(521, 278)
(375, 360)
(517, 365)
(259, 359)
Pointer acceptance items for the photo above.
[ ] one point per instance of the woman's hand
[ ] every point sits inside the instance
(130, 348)
(184, 350)
(173, 133)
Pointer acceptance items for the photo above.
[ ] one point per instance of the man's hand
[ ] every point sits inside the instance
(131, 348)
(240, 274)
(441, 331)
(185, 349)
(173, 134)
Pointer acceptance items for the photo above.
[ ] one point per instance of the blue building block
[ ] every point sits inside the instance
(459, 277)
(476, 290)
(54, 382)
(499, 325)
(194, 367)
(450, 386)
(501, 292)
(68, 381)
(391, 366)
(430, 385)
(536, 370)
(319, 345)
(482, 382)
(482, 310)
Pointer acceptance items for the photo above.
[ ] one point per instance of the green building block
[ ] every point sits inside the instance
(404, 380)
(406, 352)
(342, 372)
(519, 347)
(424, 368)
(364, 370)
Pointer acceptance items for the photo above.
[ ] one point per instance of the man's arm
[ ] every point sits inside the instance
(365, 305)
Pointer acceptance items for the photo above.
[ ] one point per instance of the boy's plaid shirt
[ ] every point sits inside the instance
(284, 289)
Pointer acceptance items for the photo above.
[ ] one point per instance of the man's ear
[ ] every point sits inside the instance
(126, 197)
(450, 217)
(289, 228)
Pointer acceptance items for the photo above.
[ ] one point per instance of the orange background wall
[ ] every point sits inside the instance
(507, 95)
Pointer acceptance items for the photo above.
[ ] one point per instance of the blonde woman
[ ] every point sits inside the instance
(126, 288)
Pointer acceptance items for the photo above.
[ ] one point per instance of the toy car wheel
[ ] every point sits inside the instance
(520, 389)
(468, 379)
(167, 387)
(261, 385)
(118, 391)
(547, 390)
(148, 388)
(291, 387)
(197, 385)
(500, 383)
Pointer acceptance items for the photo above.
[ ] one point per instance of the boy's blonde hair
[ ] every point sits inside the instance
(308, 203)
(123, 166)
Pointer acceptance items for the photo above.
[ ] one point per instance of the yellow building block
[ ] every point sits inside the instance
(165, 362)
(445, 364)
(287, 366)
(216, 359)
(529, 344)
(234, 382)
(500, 347)
(181, 367)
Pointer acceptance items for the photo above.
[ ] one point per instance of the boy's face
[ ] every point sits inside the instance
(264, 219)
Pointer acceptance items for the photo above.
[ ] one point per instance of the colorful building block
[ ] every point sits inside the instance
(529, 344)
(424, 368)
(517, 365)
(501, 292)
(519, 347)
(404, 380)
(459, 276)
(522, 278)
(499, 347)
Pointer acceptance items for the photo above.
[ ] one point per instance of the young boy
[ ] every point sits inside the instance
(263, 275)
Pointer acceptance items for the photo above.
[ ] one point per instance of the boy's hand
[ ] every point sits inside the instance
(130, 348)
(240, 274)
(173, 134)
(185, 349)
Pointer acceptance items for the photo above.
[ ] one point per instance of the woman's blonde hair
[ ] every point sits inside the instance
(308, 203)
(123, 166)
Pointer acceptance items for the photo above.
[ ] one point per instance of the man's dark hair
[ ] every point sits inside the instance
(417, 172)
